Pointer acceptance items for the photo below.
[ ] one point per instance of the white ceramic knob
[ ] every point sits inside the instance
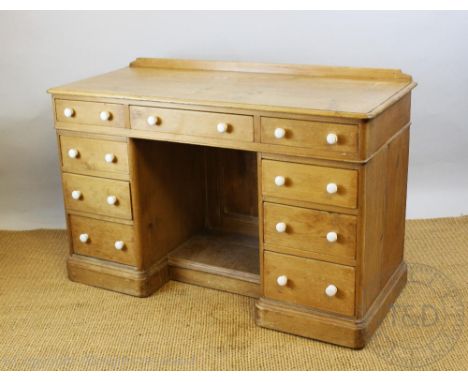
(119, 244)
(332, 237)
(331, 290)
(152, 120)
(76, 194)
(332, 188)
(84, 237)
(111, 200)
(282, 280)
(222, 127)
(109, 158)
(280, 180)
(281, 227)
(280, 133)
(332, 139)
(73, 153)
(68, 112)
(105, 115)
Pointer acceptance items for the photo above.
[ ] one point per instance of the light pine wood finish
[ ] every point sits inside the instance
(94, 195)
(309, 183)
(91, 156)
(380, 130)
(102, 238)
(366, 136)
(383, 223)
(250, 67)
(306, 233)
(201, 206)
(356, 93)
(88, 113)
(312, 135)
(185, 122)
(307, 281)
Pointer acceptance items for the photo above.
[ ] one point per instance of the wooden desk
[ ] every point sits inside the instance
(286, 183)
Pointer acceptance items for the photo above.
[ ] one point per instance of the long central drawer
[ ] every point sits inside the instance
(196, 123)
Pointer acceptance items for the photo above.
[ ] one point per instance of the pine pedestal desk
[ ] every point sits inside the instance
(286, 183)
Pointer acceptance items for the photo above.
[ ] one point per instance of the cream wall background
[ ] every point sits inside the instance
(44, 49)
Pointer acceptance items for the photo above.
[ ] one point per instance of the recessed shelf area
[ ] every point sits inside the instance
(202, 210)
(226, 254)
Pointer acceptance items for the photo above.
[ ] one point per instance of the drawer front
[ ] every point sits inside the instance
(91, 113)
(195, 123)
(105, 240)
(92, 155)
(324, 185)
(325, 233)
(307, 282)
(321, 137)
(89, 194)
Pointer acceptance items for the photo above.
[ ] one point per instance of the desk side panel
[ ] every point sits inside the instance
(383, 219)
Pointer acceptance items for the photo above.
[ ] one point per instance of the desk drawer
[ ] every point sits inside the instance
(324, 185)
(307, 282)
(96, 195)
(321, 137)
(84, 155)
(195, 123)
(105, 240)
(91, 113)
(309, 231)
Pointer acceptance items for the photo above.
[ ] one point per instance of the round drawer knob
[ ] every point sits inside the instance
(280, 180)
(280, 133)
(332, 188)
(105, 115)
(332, 139)
(68, 112)
(331, 290)
(152, 120)
(111, 200)
(84, 237)
(282, 280)
(281, 227)
(119, 244)
(109, 158)
(73, 153)
(222, 127)
(76, 194)
(332, 237)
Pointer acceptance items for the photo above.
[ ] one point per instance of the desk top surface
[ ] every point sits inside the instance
(315, 90)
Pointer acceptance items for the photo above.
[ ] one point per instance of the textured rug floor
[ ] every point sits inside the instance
(50, 323)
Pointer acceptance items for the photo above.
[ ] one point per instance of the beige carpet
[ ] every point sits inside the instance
(48, 322)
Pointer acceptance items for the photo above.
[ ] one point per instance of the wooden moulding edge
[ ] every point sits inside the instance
(117, 277)
(273, 68)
